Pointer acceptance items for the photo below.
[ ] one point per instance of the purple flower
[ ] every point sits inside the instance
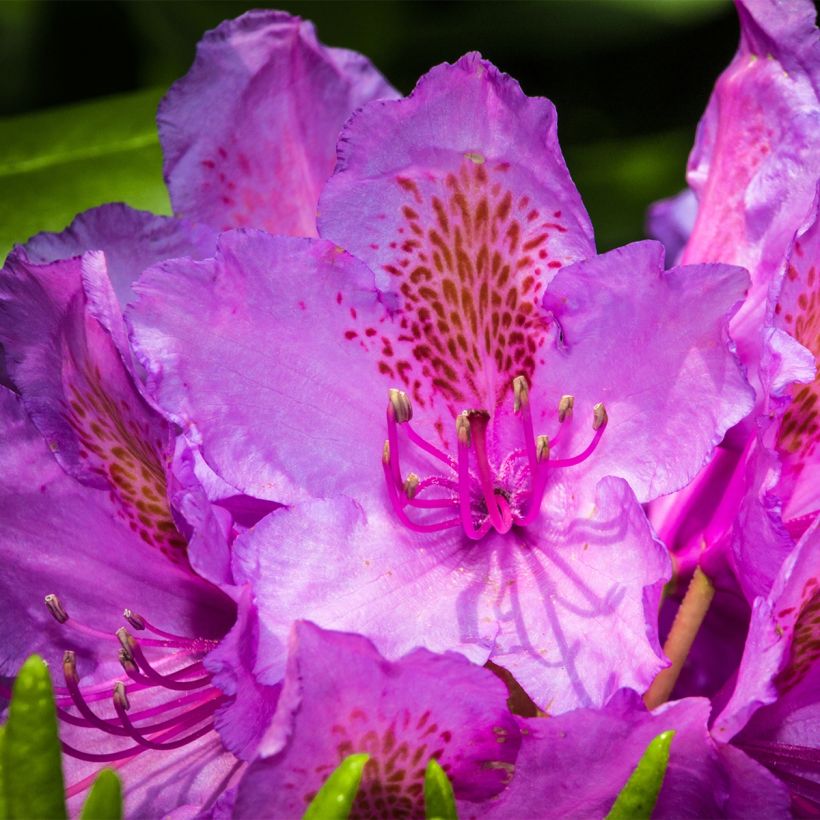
(469, 530)
(95, 526)
(341, 697)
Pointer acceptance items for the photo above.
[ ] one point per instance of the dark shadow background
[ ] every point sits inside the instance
(630, 78)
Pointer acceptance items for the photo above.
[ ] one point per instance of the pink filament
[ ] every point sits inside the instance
(398, 507)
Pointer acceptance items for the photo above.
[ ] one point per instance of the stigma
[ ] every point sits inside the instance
(470, 492)
(173, 692)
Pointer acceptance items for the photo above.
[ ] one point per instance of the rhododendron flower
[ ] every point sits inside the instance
(469, 529)
(96, 532)
(341, 697)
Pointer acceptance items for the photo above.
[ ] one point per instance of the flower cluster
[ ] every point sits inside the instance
(368, 430)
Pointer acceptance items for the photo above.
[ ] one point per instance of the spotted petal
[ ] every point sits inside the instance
(341, 697)
(249, 134)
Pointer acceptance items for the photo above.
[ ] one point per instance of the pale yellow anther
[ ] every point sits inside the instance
(410, 484)
(402, 409)
(120, 696)
(126, 640)
(599, 416)
(565, 407)
(521, 393)
(127, 661)
(386, 452)
(542, 448)
(463, 428)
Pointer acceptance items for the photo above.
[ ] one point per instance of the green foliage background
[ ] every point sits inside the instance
(630, 79)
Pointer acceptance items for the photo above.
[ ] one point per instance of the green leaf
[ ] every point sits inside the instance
(3, 811)
(31, 748)
(439, 801)
(335, 799)
(637, 798)
(104, 801)
(56, 163)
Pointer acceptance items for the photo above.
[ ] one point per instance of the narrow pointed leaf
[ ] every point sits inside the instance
(104, 801)
(335, 799)
(3, 809)
(32, 765)
(637, 798)
(439, 801)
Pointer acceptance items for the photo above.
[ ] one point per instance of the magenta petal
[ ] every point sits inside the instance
(279, 393)
(341, 697)
(578, 762)
(652, 346)
(671, 221)
(755, 162)
(249, 134)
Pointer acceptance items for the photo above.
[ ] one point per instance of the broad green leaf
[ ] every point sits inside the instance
(335, 799)
(439, 801)
(31, 748)
(56, 163)
(637, 798)
(104, 801)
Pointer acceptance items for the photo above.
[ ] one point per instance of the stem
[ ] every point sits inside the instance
(688, 621)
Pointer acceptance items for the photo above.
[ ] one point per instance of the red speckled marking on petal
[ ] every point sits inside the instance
(468, 264)
(127, 454)
(805, 643)
(799, 432)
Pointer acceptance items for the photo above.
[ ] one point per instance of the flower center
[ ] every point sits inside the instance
(178, 675)
(479, 497)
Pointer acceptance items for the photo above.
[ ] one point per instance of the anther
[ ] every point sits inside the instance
(127, 641)
(134, 618)
(70, 666)
(542, 448)
(565, 407)
(402, 409)
(410, 484)
(56, 608)
(386, 452)
(463, 428)
(127, 662)
(521, 393)
(120, 696)
(599, 416)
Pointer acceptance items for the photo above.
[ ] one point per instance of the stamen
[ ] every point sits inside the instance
(565, 406)
(133, 653)
(400, 405)
(136, 620)
(521, 405)
(429, 448)
(58, 611)
(478, 428)
(410, 485)
(542, 448)
(463, 437)
(599, 423)
(398, 507)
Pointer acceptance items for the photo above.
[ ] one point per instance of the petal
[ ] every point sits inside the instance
(459, 199)
(578, 762)
(652, 346)
(341, 697)
(242, 722)
(65, 538)
(755, 162)
(351, 567)
(781, 648)
(279, 393)
(249, 134)
(798, 313)
(671, 221)
(576, 601)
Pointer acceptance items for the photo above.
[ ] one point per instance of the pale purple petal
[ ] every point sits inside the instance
(652, 346)
(278, 393)
(568, 604)
(341, 697)
(459, 199)
(249, 134)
